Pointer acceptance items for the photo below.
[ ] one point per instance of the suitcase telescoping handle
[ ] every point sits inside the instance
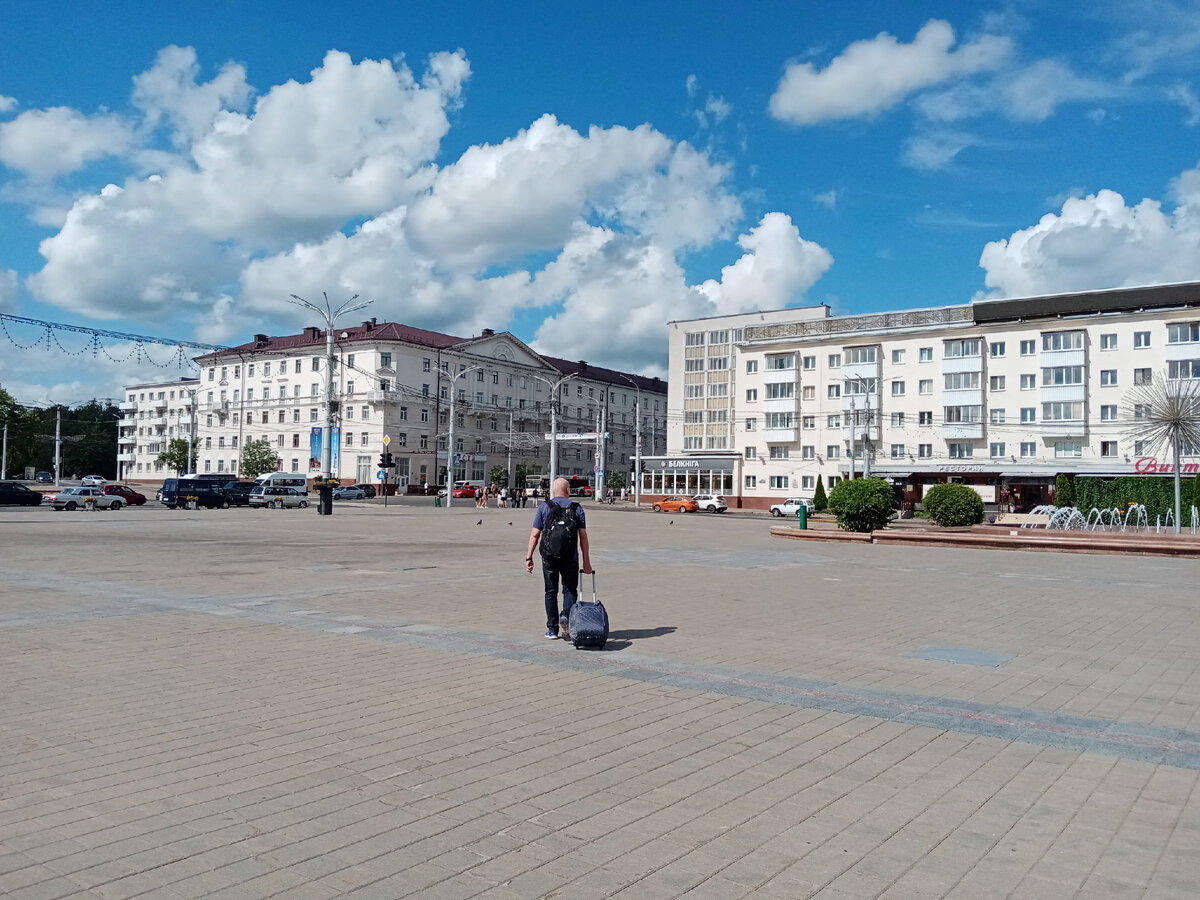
(593, 583)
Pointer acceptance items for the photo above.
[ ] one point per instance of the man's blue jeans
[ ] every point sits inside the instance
(568, 572)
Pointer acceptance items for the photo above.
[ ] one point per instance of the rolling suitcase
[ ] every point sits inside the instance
(588, 622)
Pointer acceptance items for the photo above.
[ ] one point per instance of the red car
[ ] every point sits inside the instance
(127, 494)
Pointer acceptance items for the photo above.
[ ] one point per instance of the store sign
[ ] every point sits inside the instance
(1148, 465)
(686, 464)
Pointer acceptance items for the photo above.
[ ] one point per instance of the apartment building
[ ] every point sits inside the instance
(1002, 395)
(152, 413)
(402, 382)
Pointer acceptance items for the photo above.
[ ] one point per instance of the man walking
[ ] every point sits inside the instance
(560, 527)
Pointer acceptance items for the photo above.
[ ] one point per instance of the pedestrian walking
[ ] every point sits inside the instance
(560, 531)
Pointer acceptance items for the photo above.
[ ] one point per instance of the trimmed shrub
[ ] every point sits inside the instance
(862, 504)
(1064, 490)
(953, 505)
(820, 500)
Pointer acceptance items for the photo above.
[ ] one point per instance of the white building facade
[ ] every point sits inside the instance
(152, 413)
(1001, 395)
(401, 382)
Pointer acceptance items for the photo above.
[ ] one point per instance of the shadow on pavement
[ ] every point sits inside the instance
(620, 640)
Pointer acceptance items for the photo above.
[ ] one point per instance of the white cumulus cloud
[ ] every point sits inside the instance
(8, 290)
(7, 104)
(1099, 241)
(874, 75)
(169, 91)
(44, 143)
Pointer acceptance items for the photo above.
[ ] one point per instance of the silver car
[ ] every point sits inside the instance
(279, 497)
(349, 493)
(713, 503)
(85, 497)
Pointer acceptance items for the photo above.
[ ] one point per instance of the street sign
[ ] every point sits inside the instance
(387, 439)
(381, 474)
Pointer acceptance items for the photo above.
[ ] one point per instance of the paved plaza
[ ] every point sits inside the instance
(254, 703)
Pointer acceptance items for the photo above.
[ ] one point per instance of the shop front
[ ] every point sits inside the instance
(687, 476)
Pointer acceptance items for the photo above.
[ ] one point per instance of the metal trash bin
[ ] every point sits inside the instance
(802, 517)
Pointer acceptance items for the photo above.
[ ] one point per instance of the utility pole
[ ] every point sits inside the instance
(450, 437)
(637, 442)
(853, 439)
(867, 440)
(4, 455)
(555, 390)
(325, 505)
(508, 455)
(57, 445)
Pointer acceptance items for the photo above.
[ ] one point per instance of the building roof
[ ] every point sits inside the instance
(1146, 297)
(584, 369)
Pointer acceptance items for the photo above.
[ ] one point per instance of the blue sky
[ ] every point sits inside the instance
(579, 174)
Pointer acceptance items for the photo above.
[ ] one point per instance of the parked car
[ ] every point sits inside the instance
(368, 490)
(349, 492)
(268, 497)
(127, 494)
(239, 492)
(93, 481)
(44, 478)
(713, 503)
(180, 493)
(791, 506)
(76, 497)
(676, 504)
(14, 494)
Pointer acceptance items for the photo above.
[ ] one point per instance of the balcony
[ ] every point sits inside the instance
(856, 432)
(156, 422)
(951, 364)
(1064, 428)
(962, 431)
(128, 406)
(127, 439)
(780, 435)
(125, 457)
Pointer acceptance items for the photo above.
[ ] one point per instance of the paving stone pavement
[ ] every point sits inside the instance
(255, 703)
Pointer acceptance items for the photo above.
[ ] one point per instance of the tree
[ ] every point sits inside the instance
(520, 474)
(176, 456)
(615, 480)
(1064, 490)
(820, 499)
(1166, 414)
(498, 475)
(258, 458)
(862, 504)
(953, 505)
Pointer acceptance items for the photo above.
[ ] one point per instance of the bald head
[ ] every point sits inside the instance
(560, 488)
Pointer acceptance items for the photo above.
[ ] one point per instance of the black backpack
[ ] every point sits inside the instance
(561, 532)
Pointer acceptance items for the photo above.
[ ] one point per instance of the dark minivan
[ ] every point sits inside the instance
(209, 493)
(239, 492)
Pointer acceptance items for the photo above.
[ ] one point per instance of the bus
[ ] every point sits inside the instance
(579, 486)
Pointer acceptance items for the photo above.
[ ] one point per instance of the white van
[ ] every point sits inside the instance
(282, 479)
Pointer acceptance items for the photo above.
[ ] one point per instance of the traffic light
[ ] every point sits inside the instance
(385, 461)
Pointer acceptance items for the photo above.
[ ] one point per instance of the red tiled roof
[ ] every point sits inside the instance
(313, 337)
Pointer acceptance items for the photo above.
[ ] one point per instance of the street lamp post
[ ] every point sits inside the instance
(555, 386)
(450, 438)
(637, 442)
(325, 505)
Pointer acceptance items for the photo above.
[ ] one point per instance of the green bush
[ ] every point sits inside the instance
(820, 500)
(862, 504)
(1064, 490)
(953, 505)
(1155, 492)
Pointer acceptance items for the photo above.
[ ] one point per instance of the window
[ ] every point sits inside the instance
(1108, 413)
(996, 449)
(898, 451)
(861, 355)
(996, 416)
(714, 390)
(694, 339)
(1028, 382)
(807, 482)
(897, 420)
(1028, 348)
(834, 421)
(1028, 449)
(1139, 448)
(1108, 448)
(897, 388)
(690, 392)
(1062, 340)
(295, 440)
(349, 438)
(1143, 376)
(925, 418)
(957, 349)
(808, 451)
(1141, 340)
(961, 451)
(834, 391)
(718, 415)
(1062, 412)
(787, 361)
(925, 354)
(1108, 377)
(808, 392)
(751, 366)
(778, 452)
(1140, 410)
(1184, 333)
(693, 365)
(751, 394)
(835, 360)
(751, 453)
(312, 415)
(1028, 414)
(752, 424)
(925, 386)
(297, 366)
(962, 414)
(689, 443)
(1068, 449)
(1108, 342)
(1060, 375)
(780, 390)
(833, 451)
(962, 381)
(693, 416)
(925, 451)
(1186, 369)
(808, 422)
(996, 383)
(996, 348)
(751, 481)
(778, 420)
(897, 357)
(425, 390)
(779, 482)
(810, 362)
